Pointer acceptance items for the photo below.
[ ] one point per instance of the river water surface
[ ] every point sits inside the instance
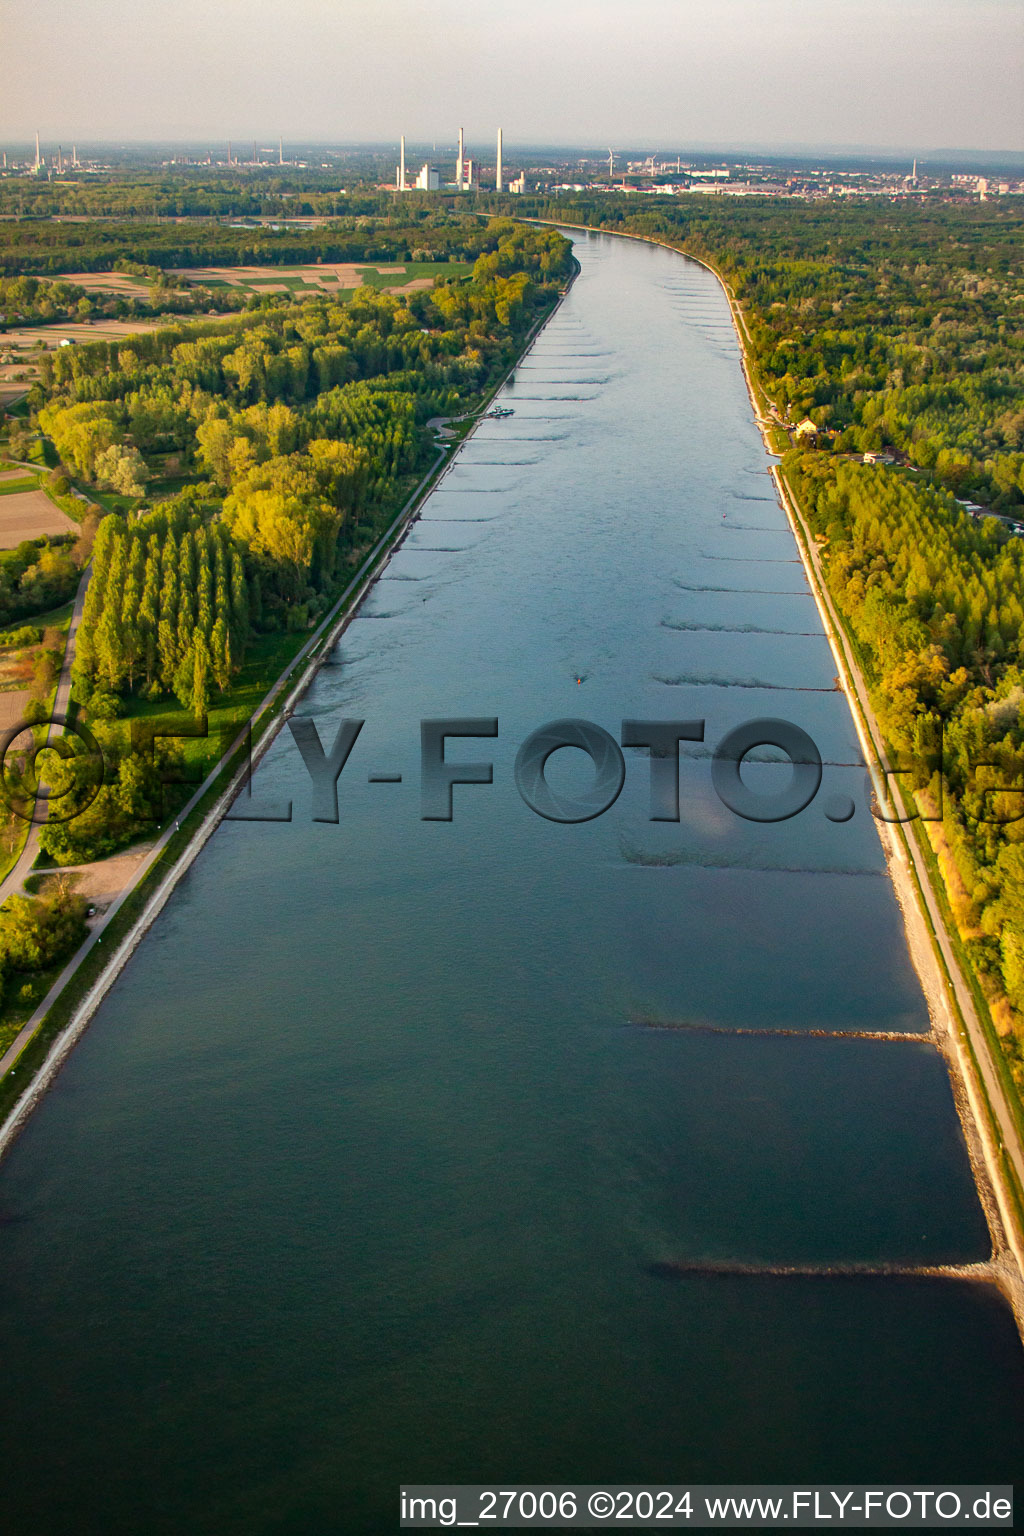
(360, 1173)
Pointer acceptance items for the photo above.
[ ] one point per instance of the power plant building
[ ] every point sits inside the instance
(467, 171)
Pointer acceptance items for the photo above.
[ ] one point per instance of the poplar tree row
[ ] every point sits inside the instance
(167, 611)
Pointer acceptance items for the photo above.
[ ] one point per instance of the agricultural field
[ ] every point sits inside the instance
(127, 285)
(13, 698)
(329, 277)
(48, 337)
(30, 514)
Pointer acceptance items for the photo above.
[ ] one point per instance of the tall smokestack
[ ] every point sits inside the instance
(230, 161)
(74, 156)
(460, 164)
(401, 166)
(280, 151)
(38, 162)
(497, 175)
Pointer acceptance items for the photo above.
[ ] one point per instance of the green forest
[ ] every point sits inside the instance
(192, 192)
(375, 230)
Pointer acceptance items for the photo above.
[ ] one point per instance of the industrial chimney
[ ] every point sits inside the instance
(497, 175)
(460, 164)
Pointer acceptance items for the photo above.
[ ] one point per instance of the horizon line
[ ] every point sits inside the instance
(702, 146)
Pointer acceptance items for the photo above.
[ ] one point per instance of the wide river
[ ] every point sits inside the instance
(364, 1170)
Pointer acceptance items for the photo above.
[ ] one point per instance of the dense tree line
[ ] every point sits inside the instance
(167, 609)
(40, 301)
(197, 192)
(404, 233)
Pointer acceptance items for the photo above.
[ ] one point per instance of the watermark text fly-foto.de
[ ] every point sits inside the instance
(442, 771)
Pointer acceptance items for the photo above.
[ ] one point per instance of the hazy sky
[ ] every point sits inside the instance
(919, 73)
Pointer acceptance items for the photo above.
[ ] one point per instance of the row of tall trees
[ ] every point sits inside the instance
(374, 231)
(167, 610)
(211, 193)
